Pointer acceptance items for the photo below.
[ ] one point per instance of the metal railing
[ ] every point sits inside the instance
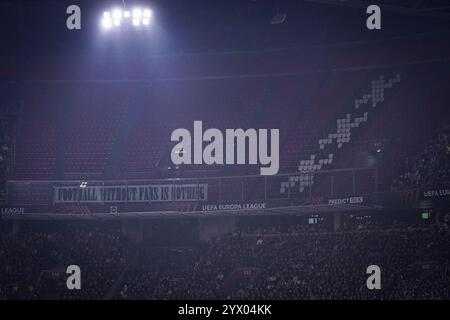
(327, 184)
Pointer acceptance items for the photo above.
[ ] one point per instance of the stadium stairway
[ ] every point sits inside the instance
(132, 258)
(333, 91)
(340, 136)
(393, 122)
(119, 146)
(61, 142)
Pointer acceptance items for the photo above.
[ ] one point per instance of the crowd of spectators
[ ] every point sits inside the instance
(300, 264)
(430, 168)
(23, 256)
(414, 265)
(292, 263)
(289, 229)
(33, 262)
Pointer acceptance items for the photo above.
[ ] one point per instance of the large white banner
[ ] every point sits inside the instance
(135, 193)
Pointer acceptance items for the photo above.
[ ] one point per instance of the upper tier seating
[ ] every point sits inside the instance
(325, 108)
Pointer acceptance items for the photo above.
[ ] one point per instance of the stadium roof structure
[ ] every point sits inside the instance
(199, 26)
(433, 9)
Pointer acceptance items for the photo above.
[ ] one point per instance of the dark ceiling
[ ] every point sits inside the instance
(186, 26)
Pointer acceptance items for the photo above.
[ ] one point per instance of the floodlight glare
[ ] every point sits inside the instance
(147, 13)
(117, 14)
(118, 18)
(137, 13)
(106, 23)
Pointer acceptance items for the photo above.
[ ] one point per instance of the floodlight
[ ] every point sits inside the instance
(147, 13)
(124, 18)
(117, 14)
(106, 23)
(137, 13)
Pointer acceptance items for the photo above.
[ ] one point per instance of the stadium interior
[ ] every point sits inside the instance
(86, 176)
